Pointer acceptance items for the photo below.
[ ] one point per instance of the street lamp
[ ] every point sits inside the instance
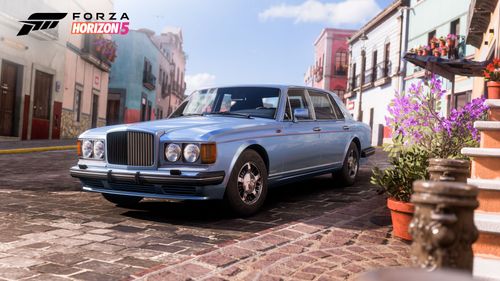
(363, 39)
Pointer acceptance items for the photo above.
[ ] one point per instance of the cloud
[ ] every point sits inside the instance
(345, 12)
(199, 80)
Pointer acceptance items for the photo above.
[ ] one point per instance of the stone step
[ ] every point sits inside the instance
(486, 267)
(485, 184)
(487, 222)
(481, 152)
(489, 194)
(487, 125)
(493, 103)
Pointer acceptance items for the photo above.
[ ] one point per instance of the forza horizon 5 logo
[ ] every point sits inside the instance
(98, 23)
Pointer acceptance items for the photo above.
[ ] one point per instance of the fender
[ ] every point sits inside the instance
(238, 152)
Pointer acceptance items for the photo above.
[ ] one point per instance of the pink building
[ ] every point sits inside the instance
(331, 53)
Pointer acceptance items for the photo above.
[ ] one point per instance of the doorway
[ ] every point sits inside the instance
(95, 110)
(41, 105)
(8, 90)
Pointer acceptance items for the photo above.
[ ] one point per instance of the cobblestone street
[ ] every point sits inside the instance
(312, 230)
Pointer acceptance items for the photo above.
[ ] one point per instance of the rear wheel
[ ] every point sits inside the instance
(347, 175)
(122, 200)
(246, 190)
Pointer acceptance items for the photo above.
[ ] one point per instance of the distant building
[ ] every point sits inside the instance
(330, 67)
(173, 85)
(437, 18)
(375, 65)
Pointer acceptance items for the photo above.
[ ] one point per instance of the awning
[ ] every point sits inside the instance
(448, 68)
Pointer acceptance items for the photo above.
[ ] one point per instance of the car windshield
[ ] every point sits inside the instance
(234, 101)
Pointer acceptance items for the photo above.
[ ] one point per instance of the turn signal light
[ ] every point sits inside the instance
(208, 153)
(79, 147)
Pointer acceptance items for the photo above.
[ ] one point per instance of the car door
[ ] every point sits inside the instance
(334, 131)
(301, 135)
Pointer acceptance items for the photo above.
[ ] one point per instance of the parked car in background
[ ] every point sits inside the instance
(230, 143)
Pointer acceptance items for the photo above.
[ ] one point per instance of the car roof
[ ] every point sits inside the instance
(278, 86)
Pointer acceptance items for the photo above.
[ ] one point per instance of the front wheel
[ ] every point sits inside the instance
(246, 190)
(122, 200)
(347, 175)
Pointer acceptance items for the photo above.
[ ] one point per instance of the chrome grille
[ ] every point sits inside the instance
(130, 148)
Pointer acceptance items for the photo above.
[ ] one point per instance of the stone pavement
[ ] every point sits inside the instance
(49, 230)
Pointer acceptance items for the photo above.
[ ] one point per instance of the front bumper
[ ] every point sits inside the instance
(154, 184)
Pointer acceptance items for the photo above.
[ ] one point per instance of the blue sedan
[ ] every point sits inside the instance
(230, 143)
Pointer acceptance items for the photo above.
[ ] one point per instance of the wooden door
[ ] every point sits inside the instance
(7, 98)
(113, 113)
(95, 109)
(41, 105)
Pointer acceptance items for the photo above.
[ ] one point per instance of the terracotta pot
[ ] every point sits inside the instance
(420, 52)
(433, 45)
(444, 52)
(450, 43)
(442, 43)
(437, 53)
(493, 90)
(425, 53)
(401, 215)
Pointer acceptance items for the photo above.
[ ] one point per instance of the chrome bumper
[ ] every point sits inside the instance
(149, 177)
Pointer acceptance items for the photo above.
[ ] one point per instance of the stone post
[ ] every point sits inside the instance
(449, 169)
(443, 227)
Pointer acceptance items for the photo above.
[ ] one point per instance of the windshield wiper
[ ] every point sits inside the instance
(227, 113)
(191, 114)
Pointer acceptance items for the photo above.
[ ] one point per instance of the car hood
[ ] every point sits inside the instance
(203, 128)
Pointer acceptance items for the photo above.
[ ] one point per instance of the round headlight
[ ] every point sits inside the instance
(87, 149)
(173, 152)
(99, 149)
(191, 152)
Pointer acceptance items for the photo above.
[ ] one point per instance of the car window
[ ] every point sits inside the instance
(323, 107)
(336, 108)
(297, 99)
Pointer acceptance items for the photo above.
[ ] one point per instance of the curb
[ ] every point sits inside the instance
(36, 149)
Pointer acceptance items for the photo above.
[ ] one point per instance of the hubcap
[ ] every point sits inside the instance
(352, 164)
(249, 183)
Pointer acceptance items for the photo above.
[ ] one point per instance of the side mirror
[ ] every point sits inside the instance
(301, 113)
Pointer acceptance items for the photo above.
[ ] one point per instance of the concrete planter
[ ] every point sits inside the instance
(401, 216)
(449, 170)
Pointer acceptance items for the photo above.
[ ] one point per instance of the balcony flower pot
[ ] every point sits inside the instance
(493, 89)
(442, 42)
(401, 216)
(436, 53)
(444, 51)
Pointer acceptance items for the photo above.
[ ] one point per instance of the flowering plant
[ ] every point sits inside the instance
(451, 37)
(492, 71)
(417, 120)
(421, 132)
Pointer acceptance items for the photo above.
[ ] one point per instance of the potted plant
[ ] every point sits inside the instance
(421, 133)
(444, 51)
(425, 50)
(436, 52)
(408, 165)
(433, 43)
(420, 51)
(442, 42)
(492, 76)
(451, 40)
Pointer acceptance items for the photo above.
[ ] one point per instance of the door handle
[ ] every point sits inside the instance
(345, 128)
(317, 129)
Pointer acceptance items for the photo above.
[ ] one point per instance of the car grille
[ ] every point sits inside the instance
(130, 148)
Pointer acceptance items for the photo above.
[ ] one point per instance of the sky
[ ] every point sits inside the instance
(232, 42)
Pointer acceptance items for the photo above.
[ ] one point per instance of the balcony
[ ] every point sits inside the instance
(164, 90)
(148, 80)
(355, 82)
(382, 73)
(340, 70)
(99, 51)
(368, 77)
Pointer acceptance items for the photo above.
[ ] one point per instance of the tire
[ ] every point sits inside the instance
(122, 200)
(347, 175)
(246, 189)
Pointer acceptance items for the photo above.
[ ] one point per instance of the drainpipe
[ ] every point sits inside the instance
(403, 46)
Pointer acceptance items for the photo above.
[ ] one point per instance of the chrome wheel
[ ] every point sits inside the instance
(249, 183)
(352, 163)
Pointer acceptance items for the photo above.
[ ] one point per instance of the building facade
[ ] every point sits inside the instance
(31, 84)
(133, 78)
(170, 43)
(437, 18)
(88, 60)
(330, 67)
(375, 62)
(483, 28)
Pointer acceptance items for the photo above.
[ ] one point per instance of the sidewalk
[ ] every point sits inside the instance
(335, 246)
(8, 146)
